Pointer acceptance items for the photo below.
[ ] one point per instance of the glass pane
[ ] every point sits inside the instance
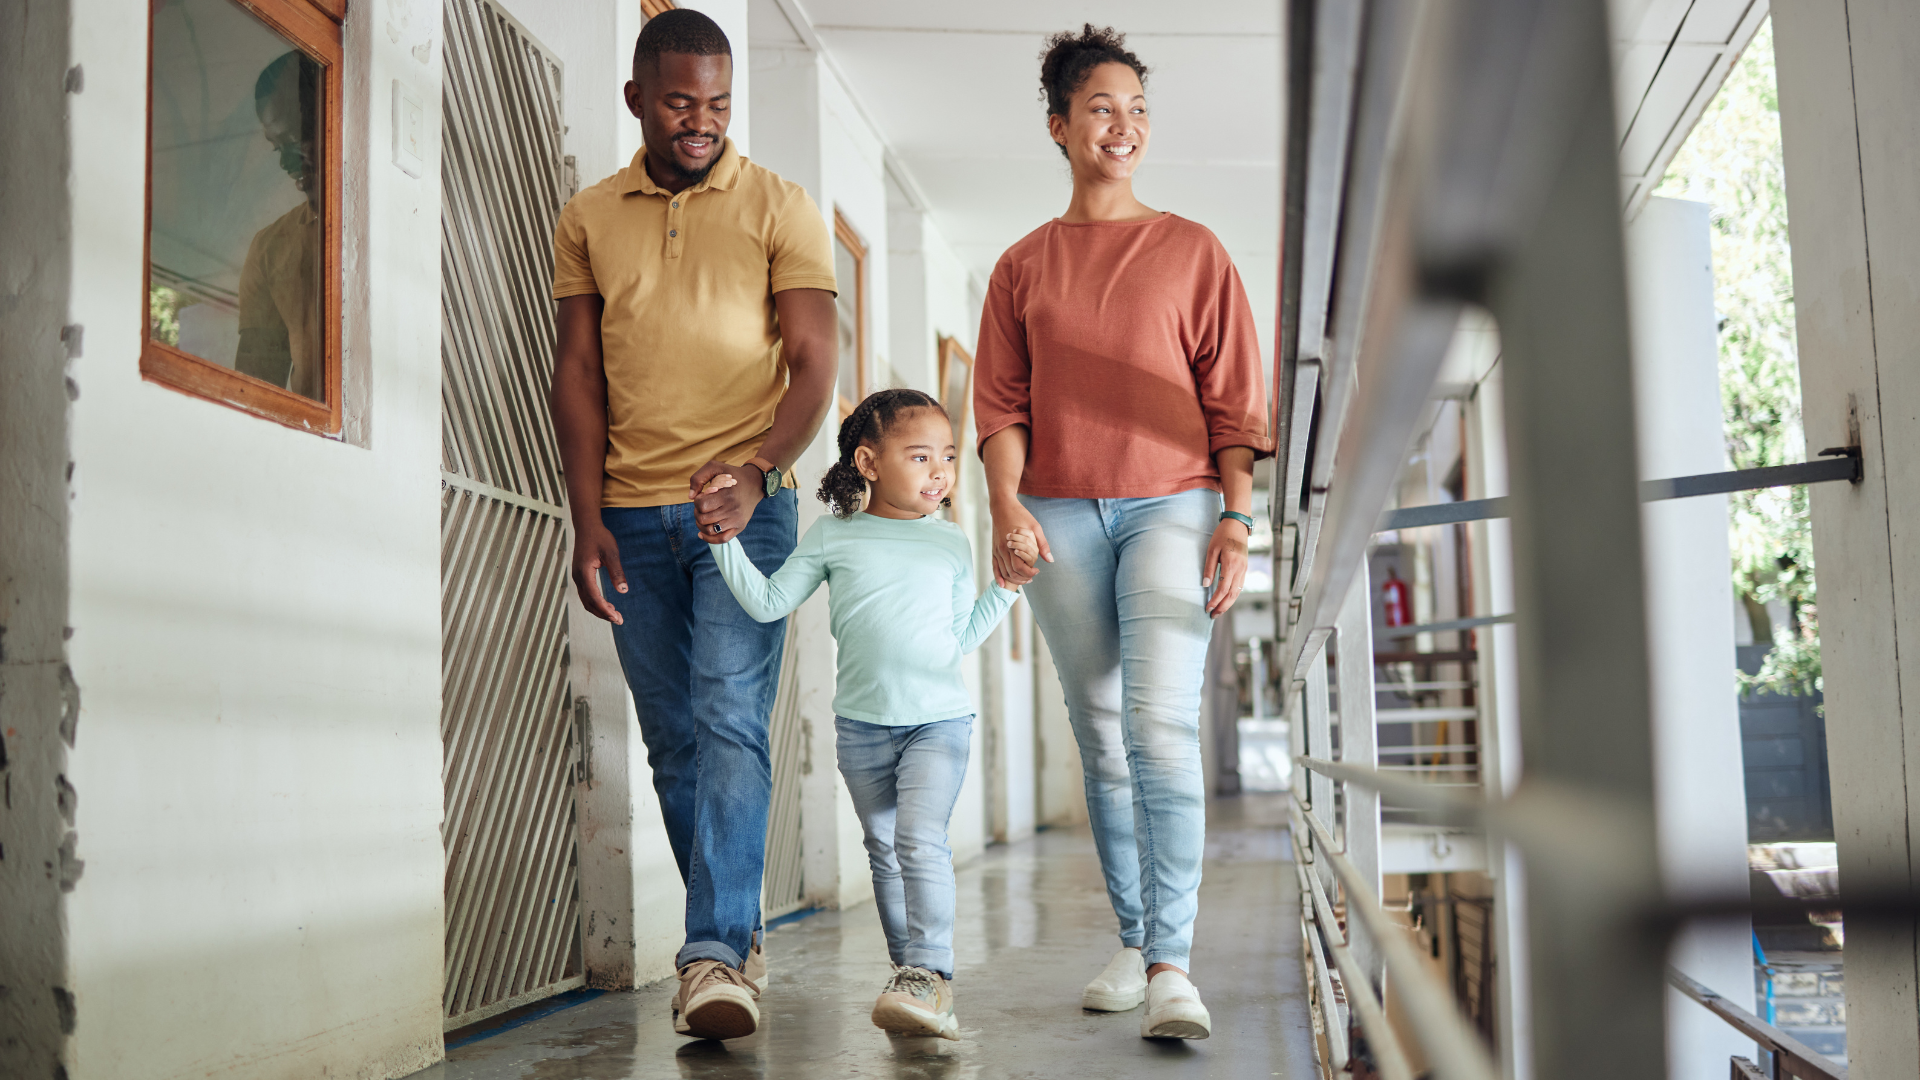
(846, 271)
(237, 195)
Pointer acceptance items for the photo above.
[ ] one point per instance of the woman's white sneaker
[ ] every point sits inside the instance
(1120, 987)
(1174, 1010)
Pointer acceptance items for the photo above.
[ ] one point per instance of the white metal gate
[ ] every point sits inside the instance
(512, 883)
(783, 883)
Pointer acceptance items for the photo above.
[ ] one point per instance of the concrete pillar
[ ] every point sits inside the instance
(37, 700)
(1007, 710)
(1498, 669)
(1700, 786)
(786, 92)
(1849, 72)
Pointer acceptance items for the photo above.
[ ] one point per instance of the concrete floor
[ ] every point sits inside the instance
(1034, 926)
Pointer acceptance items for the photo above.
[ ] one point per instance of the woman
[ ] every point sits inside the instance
(1120, 403)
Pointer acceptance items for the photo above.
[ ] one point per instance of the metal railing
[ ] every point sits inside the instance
(1450, 1044)
(1788, 1055)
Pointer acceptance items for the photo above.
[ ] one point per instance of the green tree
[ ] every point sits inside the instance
(1732, 162)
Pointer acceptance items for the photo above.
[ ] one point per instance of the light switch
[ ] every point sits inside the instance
(409, 128)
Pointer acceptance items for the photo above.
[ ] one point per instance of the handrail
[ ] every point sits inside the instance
(1791, 1056)
(1382, 1040)
(1337, 1045)
(1454, 1048)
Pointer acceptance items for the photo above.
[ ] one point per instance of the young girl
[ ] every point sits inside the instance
(904, 612)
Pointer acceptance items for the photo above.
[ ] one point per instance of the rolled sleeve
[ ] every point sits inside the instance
(572, 269)
(1003, 368)
(800, 253)
(1227, 371)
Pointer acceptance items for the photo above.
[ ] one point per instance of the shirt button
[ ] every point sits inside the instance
(676, 206)
(673, 232)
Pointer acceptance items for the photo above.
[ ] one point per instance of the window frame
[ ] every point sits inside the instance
(844, 232)
(313, 27)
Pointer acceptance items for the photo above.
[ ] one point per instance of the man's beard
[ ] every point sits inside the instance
(690, 177)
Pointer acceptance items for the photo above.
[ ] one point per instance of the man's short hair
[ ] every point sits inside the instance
(678, 30)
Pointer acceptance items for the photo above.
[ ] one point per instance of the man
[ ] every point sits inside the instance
(695, 337)
(280, 279)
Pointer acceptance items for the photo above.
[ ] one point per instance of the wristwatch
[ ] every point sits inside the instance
(771, 473)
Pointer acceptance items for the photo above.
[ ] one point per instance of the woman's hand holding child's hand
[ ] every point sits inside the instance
(1024, 546)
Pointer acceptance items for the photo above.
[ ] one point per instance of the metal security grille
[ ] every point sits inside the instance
(512, 885)
(783, 884)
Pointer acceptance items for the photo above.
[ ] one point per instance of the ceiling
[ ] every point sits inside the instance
(953, 89)
(954, 92)
(1669, 57)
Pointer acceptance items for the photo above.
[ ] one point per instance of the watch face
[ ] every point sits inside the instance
(773, 482)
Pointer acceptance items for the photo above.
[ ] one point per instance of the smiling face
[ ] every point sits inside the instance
(912, 470)
(1106, 127)
(684, 103)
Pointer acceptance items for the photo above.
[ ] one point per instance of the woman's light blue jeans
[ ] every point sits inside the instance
(1125, 617)
(904, 782)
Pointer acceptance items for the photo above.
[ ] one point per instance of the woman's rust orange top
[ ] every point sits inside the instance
(1128, 351)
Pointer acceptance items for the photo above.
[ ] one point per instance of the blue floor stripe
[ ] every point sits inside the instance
(557, 1003)
(792, 917)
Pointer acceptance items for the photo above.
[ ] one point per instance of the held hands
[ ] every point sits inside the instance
(1024, 545)
(1225, 567)
(724, 497)
(1019, 545)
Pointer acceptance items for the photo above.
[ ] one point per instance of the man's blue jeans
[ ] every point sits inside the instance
(703, 676)
(904, 782)
(1126, 620)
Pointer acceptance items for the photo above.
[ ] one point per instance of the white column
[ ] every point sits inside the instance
(1848, 79)
(1359, 745)
(1699, 781)
(1499, 696)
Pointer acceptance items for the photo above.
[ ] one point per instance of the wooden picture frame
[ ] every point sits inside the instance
(844, 234)
(313, 27)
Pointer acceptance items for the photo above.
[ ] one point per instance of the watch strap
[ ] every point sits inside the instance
(771, 476)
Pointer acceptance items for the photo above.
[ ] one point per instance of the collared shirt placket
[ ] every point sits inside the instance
(677, 220)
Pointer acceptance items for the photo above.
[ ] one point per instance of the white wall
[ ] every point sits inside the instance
(1699, 782)
(256, 635)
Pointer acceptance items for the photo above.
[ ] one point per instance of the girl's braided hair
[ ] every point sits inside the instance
(843, 488)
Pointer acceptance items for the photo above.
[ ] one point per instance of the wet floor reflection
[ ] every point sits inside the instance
(1033, 927)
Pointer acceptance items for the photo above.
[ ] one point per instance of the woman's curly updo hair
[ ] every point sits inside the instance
(843, 488)
(1069, 58)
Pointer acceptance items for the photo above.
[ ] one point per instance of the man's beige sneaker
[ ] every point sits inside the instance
(755, 965)
(916, 1002)
(714, 1002)
(1120, 987)
(1174, 1010)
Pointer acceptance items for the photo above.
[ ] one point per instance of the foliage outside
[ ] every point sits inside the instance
(1732, 162)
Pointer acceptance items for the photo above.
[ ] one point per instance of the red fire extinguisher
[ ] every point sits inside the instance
(1399, 605)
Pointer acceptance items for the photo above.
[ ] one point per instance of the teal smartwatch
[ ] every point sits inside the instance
(1236, 515)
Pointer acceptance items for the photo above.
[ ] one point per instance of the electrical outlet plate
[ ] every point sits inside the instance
(409, 129)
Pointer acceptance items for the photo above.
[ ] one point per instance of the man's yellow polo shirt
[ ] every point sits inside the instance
(689, 337)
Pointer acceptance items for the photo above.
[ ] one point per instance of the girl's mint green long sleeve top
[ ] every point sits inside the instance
(903, 610)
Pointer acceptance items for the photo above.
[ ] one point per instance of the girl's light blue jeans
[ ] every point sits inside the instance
(904, 782)
(1125, 617)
